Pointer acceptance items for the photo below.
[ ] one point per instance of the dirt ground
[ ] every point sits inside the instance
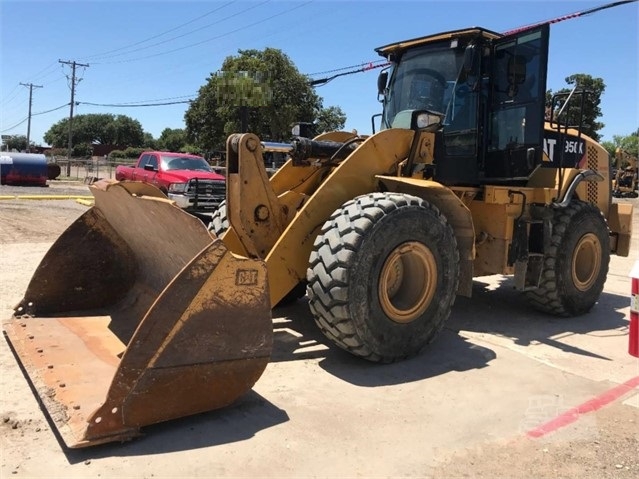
(459, 410)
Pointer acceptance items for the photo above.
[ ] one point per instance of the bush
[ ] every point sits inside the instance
(129, 153)
(192, 149)
(83, 150)
(132, 152)
(58, 152)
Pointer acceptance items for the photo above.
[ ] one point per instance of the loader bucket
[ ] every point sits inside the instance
(137, 315)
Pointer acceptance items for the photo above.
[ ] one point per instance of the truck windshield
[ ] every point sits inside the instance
(424, 79)
(185, 163)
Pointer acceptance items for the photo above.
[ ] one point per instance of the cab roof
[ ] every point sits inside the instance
(466, 32)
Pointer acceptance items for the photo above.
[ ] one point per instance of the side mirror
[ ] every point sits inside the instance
(382, 80)
(303, 129)
(470, 59)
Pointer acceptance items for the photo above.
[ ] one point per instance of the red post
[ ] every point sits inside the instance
(633, 339)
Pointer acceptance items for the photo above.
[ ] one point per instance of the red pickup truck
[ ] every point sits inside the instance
(186, 179)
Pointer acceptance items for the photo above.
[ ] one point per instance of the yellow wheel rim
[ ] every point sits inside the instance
(407, 282)
(586, 262)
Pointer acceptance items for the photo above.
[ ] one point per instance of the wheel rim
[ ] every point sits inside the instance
(407, 282)
(586, 262)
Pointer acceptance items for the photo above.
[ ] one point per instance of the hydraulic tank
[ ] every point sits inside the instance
(23, 169)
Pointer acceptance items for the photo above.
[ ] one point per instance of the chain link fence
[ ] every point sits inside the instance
(88, 170)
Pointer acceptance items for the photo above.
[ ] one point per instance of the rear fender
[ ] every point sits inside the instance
(456, 213)
(620, 224)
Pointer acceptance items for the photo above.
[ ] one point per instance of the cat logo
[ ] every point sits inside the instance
(573, 151)
(549, 149)
(246, 277)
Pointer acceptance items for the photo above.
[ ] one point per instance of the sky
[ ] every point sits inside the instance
(156, 51)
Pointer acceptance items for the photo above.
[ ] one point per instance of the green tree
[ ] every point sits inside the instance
(263, 88)
(330, 119)
(94, 128)
(628, 143)
(172, 139)
(16, 142)
(570, 115)
(84, 150)
(149, 142)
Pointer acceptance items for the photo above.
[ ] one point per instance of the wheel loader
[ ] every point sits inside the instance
(140, 314)
(625, 182)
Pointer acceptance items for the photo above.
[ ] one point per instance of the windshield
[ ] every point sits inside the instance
(424, 79)
(185, 163)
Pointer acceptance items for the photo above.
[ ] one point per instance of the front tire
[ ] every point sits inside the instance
(219, 220)
(383, 276)
(220, 223)
(576, 265)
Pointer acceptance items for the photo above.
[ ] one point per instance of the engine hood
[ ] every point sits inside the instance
(185, 175)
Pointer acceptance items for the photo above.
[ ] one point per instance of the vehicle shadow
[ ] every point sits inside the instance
(296, 337)
(500, 310)
(495, 309)
(249, 415)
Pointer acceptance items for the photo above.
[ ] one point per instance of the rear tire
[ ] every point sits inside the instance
(383, 276)
(576, 265)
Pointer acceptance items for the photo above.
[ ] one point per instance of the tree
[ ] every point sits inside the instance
(93, 128)
(595, 88)
(330, 119)
(149, 142)
(629, 143)
(263, 88)
(172, 139)
(17, 142)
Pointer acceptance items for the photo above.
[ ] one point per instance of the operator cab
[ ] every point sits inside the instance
(481, 94)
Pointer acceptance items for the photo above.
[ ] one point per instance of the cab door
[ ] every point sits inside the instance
(151, 169)
(514, 141)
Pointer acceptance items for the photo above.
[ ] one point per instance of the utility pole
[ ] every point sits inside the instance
(31, 87)
(73, 64)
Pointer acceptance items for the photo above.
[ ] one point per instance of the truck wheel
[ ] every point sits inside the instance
(220, 223)
(576, 265)
(383, 276)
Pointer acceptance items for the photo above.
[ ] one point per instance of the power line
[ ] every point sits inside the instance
(324, 81)
(155, 100)
(217, 37)
(184, 34)
(41, 73)
(360, 65)
(49, 111)
(34, 114)
(9, 100)
(15, 126)
(100, 55)
(133, 105)
(569, 16)
(161, 101)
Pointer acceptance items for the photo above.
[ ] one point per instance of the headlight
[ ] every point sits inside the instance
(424, 120)
(177, 187)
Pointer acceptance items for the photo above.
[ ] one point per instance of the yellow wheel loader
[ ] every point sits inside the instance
(625, 183)
(139, 314)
